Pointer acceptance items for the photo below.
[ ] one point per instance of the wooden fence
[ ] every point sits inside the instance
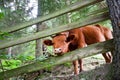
(79, 53)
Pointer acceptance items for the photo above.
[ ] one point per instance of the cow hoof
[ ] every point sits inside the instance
(81, 70)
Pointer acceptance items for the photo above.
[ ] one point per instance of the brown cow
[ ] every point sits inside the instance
(79, 38)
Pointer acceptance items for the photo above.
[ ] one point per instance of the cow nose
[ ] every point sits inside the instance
(57, 50)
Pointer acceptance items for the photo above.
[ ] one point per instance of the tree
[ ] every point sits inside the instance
(38, 51)
(114, 9)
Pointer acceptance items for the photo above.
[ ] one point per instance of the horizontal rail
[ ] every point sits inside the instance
(102, 10)
(48, 32)
(93, 49)
(70, 8)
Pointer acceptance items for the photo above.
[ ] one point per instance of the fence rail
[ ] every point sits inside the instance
(70, 8)
(93, 49)
(48, 32)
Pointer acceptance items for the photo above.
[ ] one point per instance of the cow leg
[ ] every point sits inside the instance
(75, 64)
(83, 44)
(110, 55)
(107, 57)
(81, 65)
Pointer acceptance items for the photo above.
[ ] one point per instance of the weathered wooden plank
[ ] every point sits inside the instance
(73, 55)
(102, 10)
(70, 8)
(48, 32)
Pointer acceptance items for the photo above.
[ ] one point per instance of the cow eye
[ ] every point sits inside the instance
(53, 43)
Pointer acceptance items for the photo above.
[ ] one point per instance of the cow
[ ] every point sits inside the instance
(78, 38)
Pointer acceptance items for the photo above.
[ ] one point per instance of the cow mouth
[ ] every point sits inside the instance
(59, 54)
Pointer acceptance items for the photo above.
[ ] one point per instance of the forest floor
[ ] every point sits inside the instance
(65, 71)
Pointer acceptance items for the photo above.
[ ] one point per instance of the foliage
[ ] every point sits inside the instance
(1, 15)
(106, 23)
(10, 64)
(3, 34)
(14, 12)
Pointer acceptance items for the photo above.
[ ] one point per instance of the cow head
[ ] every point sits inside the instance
(60, 43)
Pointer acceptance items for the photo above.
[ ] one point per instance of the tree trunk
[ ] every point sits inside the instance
(38, 48)
(114, 9)
(39, 51)
(68, 14)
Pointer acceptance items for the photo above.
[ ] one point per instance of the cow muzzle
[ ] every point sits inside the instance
(58, 51)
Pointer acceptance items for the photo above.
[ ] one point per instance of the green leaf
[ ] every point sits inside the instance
(1, 15)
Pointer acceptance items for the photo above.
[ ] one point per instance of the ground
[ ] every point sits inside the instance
(65, 71)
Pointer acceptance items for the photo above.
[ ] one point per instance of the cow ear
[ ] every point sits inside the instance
(70, 38)
(48, 42)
